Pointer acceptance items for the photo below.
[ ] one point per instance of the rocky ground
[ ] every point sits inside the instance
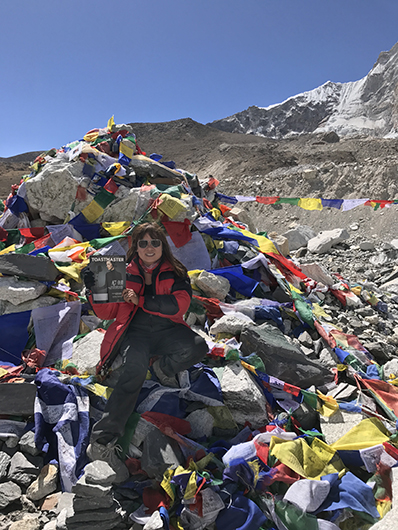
(366, 257)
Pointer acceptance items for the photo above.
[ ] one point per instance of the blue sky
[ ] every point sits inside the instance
(66, 67)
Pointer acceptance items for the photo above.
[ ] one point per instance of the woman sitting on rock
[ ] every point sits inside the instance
(149, 323)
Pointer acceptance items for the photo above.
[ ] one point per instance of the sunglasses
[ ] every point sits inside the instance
(143, 243)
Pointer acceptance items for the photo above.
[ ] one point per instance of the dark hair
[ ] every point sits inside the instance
(155, 232)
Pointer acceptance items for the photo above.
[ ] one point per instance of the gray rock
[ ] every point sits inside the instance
(123, 209)
(43, 301)
(27, 444)
(324, 241)
(367, 245)
(378, 350)
(282, 359)
(317, 273)
(5, 460)
(82, 504)
(9, 493)
(212, 285)
(17, 291)
(305, 339)
(45, 484)
(339, 424)
(328, 358)
(28, 522)
(21, 470)
(159, 453)
(86, 352)
(391, 368)
(299, 236)
(82, 489)
(243, 397)
(52, 191)
(99, 472)
(33, 267)
(201, 422)
(379, 259)
(228, 324)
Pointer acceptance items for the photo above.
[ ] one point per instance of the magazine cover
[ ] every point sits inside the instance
(110, 278)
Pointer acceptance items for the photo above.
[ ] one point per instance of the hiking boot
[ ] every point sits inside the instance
(164, 379)
(109, 453)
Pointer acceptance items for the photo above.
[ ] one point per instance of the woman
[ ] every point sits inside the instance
(149, 323)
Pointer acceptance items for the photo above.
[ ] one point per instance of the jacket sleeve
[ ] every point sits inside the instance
(175, 304)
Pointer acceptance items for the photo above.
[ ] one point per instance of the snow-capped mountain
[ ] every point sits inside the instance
(365, 107)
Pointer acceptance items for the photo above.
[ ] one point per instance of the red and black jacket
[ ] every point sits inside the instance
(170, 299)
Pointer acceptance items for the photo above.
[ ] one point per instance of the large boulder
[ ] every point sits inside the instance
(298, 237)
(324, 241)
(281, 358)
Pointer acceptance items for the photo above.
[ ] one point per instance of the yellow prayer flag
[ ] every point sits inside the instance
(73, 270)
(6, 250)
(111, 123)
(263, 243)
(91, 136)
(3, 372)
(191, 488)
(127, 148)
(310, 204)
(117, 228)
(328, 405)
(215, 212)
(165, 484)
(367, 433)
(92, 211)
(308, 462)
(170, 206)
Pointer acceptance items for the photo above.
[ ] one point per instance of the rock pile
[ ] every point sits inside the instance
(290, 421)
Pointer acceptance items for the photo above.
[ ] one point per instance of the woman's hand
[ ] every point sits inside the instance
(130, 296)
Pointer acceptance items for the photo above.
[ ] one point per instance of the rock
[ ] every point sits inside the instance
(239, 214)
(27, 444)
(378, 350)
(17, 399)
(243, 397)
(331, 137)
(32, 267)
(212, 285)
(99, 472)
(229, 324)
(45, 484)
(50, 503)
(309, 174)
(43, 301)
(282, 359)
(9, 493)
(324, 241)
(83, 489)
(317, 273)
(28, 522)
(86, 352)
(305, 339)
(354, 227)
(5, 460)
(21, 470)
(159, 453)
(299, 236)
(391, 368)
(378, 260)
(367, 245)
(127, 208)
(339, 424)
(17, 291)
(52, 191)
(282, 243)
(394, 243)
(328, 358)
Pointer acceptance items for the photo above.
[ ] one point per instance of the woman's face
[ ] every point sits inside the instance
(149, 255)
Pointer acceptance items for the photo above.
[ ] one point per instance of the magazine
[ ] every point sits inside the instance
(109, 273)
